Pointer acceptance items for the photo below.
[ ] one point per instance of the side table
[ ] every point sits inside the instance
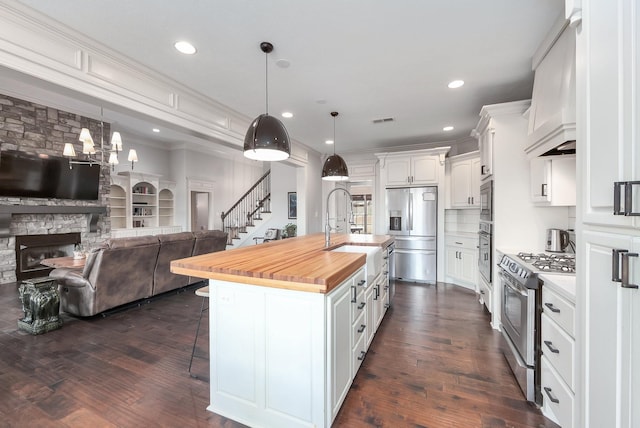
(40, 304)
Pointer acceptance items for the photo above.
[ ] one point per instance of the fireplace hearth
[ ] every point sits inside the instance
(31, 249)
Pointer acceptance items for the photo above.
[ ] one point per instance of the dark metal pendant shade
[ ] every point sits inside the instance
(335, 169)
(267, 139)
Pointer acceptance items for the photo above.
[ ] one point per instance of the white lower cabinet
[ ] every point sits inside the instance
(486, 295)
(339, 323)
(462, 261)
(558, 371)
(558, 399)
(288, 358)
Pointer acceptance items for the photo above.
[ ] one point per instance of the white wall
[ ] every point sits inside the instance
(283, 180)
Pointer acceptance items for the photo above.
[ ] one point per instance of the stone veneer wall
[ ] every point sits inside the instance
(38, 129)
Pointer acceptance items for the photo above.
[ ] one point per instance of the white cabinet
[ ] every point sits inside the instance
(485, 144)
(553, 180)
(412, 168)
(607, 60)
(141, 202)
(464, 189)
(339, 323)
(612, 337)
(558, 374)
(486, 294)
(462, 261)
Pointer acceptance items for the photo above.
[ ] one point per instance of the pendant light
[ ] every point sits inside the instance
(335, 168)
(267, 138)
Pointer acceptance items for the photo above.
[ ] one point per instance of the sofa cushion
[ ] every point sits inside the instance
(173, 246)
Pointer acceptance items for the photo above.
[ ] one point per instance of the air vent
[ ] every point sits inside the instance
(385, 119)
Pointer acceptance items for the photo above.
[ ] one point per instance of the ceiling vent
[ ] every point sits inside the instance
(383, 120)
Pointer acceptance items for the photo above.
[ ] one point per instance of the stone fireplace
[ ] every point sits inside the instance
(32, 249)
(38, 129)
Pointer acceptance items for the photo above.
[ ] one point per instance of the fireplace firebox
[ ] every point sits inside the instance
(32, 249)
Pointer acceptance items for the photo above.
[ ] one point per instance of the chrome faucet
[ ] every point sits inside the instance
(327, 227)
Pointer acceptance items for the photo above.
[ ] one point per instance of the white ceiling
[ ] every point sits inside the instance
(366, 59)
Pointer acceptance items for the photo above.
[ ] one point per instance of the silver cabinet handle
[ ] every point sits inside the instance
(483, 170)
(616, 198)
(459, 243)
(362, 327)
(625, 270)
(551, 347)
(376, 292)
(472, 200)
(552, 308)
(387, 306)
(362, 354)
(628, 198)
(550, 395)
(620, 267)
(362, 305)
(362, 282)
(543, 190)
(353, 296)
(481, 291)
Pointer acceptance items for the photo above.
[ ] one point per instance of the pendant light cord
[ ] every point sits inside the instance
(334, 135)
(266, 83)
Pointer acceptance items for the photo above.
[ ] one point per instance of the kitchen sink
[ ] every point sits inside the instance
(374, 258)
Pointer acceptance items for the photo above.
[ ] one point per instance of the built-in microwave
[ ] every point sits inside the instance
(486, 201)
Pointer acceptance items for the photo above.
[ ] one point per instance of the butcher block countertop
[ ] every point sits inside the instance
(301, 263)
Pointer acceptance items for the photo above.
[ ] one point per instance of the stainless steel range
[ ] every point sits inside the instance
(521, 313)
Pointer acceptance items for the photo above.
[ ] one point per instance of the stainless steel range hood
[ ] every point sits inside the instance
(552, 115)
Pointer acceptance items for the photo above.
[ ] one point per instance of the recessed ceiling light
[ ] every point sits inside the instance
(448, 128)
(329, 142)
(155, 130)
(185, 47)
(287, 114)
(283, 63)
(455, 84)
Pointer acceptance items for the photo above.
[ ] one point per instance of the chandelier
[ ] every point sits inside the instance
(96, 155)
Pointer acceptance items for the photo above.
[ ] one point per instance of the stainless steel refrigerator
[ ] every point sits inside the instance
(412, 218)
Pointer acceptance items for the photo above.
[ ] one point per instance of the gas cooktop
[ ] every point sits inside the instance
(525, 267)
(550, 263)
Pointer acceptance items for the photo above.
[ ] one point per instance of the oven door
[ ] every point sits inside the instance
(518, 317)
(486, 201)
(484, 256)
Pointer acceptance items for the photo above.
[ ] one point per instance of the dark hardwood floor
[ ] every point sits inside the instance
(434, 363)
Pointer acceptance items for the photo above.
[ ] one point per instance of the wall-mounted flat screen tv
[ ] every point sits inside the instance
(26, 175)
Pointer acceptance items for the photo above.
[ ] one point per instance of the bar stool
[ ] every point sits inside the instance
(204, 292)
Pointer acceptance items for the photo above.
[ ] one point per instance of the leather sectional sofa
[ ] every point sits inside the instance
(124, 270)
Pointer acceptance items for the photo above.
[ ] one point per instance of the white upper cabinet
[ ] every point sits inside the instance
(553, 180)
(465, 181)
(485, 133)
(552, 116)
(414, 168)
(609, 137)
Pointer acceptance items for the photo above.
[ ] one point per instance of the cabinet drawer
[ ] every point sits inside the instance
(486, 296)
(559, 309)
(461, 242)
(359, 328)
(357, 307)
(559, 348)
(358, 355)
(554, 389)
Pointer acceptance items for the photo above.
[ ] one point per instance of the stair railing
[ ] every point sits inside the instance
(249, 207)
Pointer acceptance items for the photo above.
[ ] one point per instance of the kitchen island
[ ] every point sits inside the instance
(290, 322)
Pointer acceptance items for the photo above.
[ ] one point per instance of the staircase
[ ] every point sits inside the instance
(251, 208)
